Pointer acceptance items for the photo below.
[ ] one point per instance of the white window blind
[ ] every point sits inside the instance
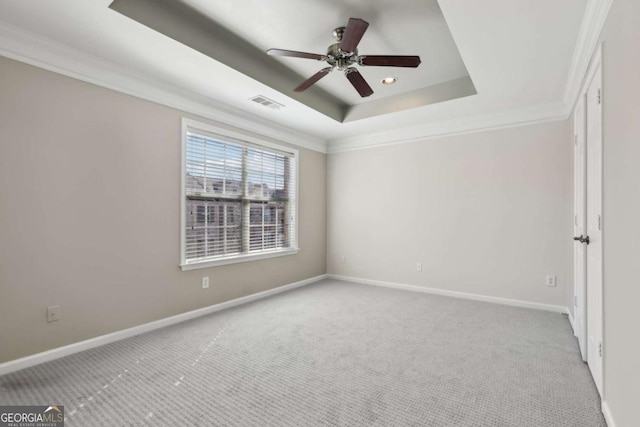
(239, 198)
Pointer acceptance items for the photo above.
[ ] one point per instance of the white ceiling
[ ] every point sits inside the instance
(520, 55)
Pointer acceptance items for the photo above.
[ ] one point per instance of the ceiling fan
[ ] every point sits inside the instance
(343, 54)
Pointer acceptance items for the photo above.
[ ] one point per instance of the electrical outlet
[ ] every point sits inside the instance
(53, 313)
(419, 266)
(551, 280)
(205, 282)
(343, 260)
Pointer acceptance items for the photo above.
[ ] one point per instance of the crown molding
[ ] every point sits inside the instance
(593, 21)
(32, 49)
(479, 123)
(45, 53)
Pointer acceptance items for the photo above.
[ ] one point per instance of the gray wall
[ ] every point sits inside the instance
(486, 213)
(621, 214)
(89, 215)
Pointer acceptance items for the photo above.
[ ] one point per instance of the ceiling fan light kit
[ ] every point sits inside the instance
(343, 55)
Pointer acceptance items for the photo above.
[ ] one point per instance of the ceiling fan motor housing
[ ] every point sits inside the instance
(340, 59)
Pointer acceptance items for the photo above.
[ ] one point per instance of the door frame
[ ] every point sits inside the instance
(579, 225)
(595, 64)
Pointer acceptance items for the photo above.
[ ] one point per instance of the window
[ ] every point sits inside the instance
(239, 198)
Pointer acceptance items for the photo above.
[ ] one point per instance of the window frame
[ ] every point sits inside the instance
(233, 136)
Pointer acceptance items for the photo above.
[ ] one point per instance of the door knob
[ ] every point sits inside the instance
(582, 239)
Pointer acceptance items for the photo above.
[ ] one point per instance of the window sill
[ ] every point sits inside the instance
(195, 265)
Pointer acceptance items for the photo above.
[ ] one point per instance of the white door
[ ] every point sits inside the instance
(594, 228)
(579, 228)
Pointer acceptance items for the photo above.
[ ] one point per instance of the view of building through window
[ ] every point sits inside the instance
(239, 198)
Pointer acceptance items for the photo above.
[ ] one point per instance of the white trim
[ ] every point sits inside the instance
(570, 317)
(56, 353)
(593, 21)
(608, 416)
(594, 63)
(237, 135)
(27, 47)
(195, 265)
(184, 127)
(480, 123)
(455, 294)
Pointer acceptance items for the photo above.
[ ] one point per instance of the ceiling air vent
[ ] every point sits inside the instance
(263, 100)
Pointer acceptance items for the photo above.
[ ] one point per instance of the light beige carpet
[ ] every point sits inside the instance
(329, 354)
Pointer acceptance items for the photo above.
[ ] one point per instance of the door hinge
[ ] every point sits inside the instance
(575, 220)
(600, 349)
(575, 139)
(599, 96)
(599, 222)
(575, 301)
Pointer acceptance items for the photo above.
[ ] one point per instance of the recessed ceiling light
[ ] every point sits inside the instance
(389, 80)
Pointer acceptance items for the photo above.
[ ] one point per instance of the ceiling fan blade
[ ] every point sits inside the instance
(390, 60)
(358, 82)
(311, 80)
(353, 34)
(282, 52)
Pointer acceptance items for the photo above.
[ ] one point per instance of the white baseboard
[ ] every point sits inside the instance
(606, 411)
(46, 356)
(455, 294)
(573, 325)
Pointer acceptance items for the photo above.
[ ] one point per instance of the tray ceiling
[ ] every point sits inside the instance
(238, 34)
(521, 57)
